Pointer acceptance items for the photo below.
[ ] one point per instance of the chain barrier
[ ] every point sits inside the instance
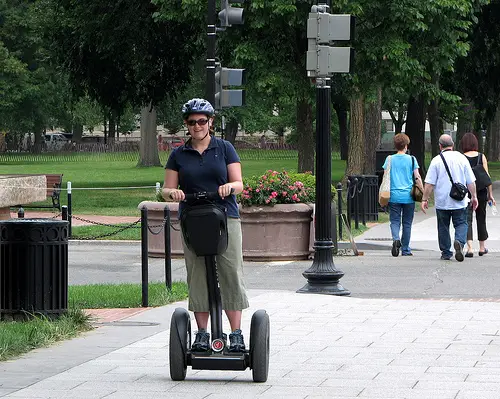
(112, 233)
(132, 225)
(120, 228)
(161, 226)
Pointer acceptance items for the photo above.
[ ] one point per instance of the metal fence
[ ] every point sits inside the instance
(133, 156)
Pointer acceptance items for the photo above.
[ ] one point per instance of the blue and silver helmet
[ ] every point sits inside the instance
(197, 106)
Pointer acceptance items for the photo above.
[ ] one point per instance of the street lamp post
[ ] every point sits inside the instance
(323, 61)
(322, 277)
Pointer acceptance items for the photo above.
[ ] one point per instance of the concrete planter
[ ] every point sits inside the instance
(281, 232)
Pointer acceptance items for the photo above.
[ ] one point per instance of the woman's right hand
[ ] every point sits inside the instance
(177, 195)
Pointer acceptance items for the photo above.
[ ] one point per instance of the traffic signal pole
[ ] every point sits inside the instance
(323, 277)
(211, 43)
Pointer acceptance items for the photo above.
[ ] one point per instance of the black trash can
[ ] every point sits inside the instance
(363, 198)
(33, 268)
(380, 156)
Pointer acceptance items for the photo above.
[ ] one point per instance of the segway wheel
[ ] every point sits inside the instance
(180, 342)
(259, 345)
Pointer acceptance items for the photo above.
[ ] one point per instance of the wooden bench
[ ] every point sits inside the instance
(54, 182)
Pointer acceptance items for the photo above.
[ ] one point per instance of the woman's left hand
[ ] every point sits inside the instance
(225, 190)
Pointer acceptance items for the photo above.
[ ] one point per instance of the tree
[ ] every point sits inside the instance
(142, 59)
(476, 78)
(373, 130)
(27, 82)
(405, 46)
(276, 78)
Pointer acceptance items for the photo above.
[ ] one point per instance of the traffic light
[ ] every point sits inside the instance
(228, 77)
(324, 29)
(230, 15)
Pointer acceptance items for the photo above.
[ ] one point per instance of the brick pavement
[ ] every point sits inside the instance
(114, 314)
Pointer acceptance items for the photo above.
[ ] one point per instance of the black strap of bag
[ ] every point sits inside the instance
(479, 159)
(413, 168)
(447, 169)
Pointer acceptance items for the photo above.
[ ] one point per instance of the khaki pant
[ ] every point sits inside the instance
(229, 271)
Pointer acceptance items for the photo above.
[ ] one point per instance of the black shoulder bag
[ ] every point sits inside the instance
(483, 179)
(458, 190)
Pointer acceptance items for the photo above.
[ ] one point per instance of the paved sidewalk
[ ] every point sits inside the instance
(321, 346)
(424, 231)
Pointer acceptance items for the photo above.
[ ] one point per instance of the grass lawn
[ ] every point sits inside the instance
(97, 178)
(19, 337)
(99, 296)
(106, 233)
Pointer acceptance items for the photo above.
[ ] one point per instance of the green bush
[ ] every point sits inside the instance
(309, 180)
(279, 188)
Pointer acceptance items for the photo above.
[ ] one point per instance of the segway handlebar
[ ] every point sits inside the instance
(203, 195)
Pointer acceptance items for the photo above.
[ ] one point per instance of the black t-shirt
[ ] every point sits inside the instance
(205, 172)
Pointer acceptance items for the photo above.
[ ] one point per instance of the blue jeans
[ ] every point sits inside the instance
(402, 213)
(459, 218)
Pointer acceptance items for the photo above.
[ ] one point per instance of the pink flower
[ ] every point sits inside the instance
(257, 190)
(274, 194)
(284, 193)
(267, 201)
(295, 197)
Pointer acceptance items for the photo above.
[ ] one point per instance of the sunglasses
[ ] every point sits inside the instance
(192, 122)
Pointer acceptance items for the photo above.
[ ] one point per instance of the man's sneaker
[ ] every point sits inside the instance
(236, 343)
(396, 244)
(445, 257)
(459, 251)
(201, 342)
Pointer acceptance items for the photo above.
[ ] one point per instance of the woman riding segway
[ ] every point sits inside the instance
(206, 163)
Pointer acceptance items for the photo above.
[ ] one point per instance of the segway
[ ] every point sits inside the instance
(204, 227)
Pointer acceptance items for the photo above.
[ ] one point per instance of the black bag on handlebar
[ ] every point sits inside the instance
(204, 228)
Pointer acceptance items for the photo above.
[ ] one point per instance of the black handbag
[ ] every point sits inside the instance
(458, 190)
(483, 179)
